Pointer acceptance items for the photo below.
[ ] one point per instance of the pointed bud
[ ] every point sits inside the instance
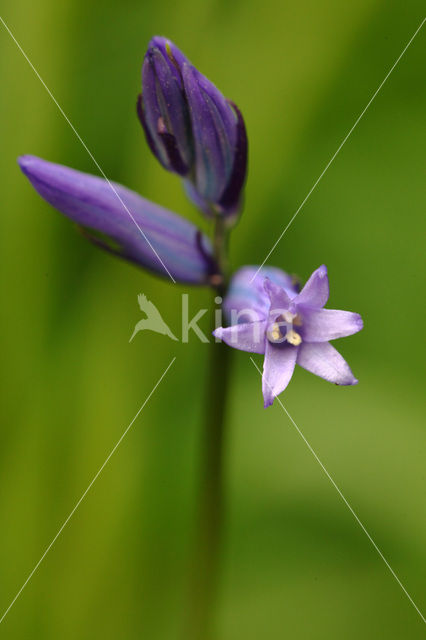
(132, 228)
(220, 145)
(162, 107)
(193, 130)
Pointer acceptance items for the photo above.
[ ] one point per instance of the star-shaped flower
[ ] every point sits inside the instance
(268, 315)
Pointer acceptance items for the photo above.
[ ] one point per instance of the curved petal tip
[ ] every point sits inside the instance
(268, 400)
(25, 162)
(349, 383)
(322, 271)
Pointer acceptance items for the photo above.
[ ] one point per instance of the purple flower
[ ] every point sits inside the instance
(192, 129)
(133, 228)
(270, 316)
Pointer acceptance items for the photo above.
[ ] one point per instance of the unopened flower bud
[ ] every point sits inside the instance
(193, 129)
(162, 107)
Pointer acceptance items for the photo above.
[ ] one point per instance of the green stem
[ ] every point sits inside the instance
(220, 250)
(205, 568)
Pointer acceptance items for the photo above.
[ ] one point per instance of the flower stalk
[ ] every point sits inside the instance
(205, 566)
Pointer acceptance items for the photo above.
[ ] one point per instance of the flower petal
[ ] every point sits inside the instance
(231, 197)
(321, 325)
(196, 198)
(249, 336)
(145, 232)
(278, 368)
(280, 301)
(171, 53)
(163, 110)
(316, 291)
(214, 129)
(247, 292)
(323, 360)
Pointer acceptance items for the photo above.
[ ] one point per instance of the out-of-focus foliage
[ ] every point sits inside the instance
(296, 564)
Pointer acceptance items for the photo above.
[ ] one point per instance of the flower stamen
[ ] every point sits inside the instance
(293, 337)
(274, 334)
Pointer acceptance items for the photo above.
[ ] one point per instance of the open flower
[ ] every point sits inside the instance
(270, 316)
(193, 130)
(133, 228)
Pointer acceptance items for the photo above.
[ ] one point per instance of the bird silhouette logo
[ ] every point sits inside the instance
(153, 320)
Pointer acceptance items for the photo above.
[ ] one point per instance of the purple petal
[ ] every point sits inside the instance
(171, 53)
(246, 293)
(321, 325)
(197, 199)
(163, 110)
(316, 291)
(156, 149)
(280, 301)
(323, 360)
(278, 368)
(231, 197)
(214, 130)
(249, 336)
(146, 233)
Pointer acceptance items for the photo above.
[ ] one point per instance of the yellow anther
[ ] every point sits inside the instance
(293, 337)
(274, 334)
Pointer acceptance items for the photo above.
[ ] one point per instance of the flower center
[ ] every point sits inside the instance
(282, 330)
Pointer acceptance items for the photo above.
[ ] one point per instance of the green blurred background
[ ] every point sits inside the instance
(295, 562)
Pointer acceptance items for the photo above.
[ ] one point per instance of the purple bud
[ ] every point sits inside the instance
(162, 107)
(220, 145)
(193, 130)
(141, 231)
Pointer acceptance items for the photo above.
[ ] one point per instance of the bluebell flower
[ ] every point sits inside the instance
(268, 315)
